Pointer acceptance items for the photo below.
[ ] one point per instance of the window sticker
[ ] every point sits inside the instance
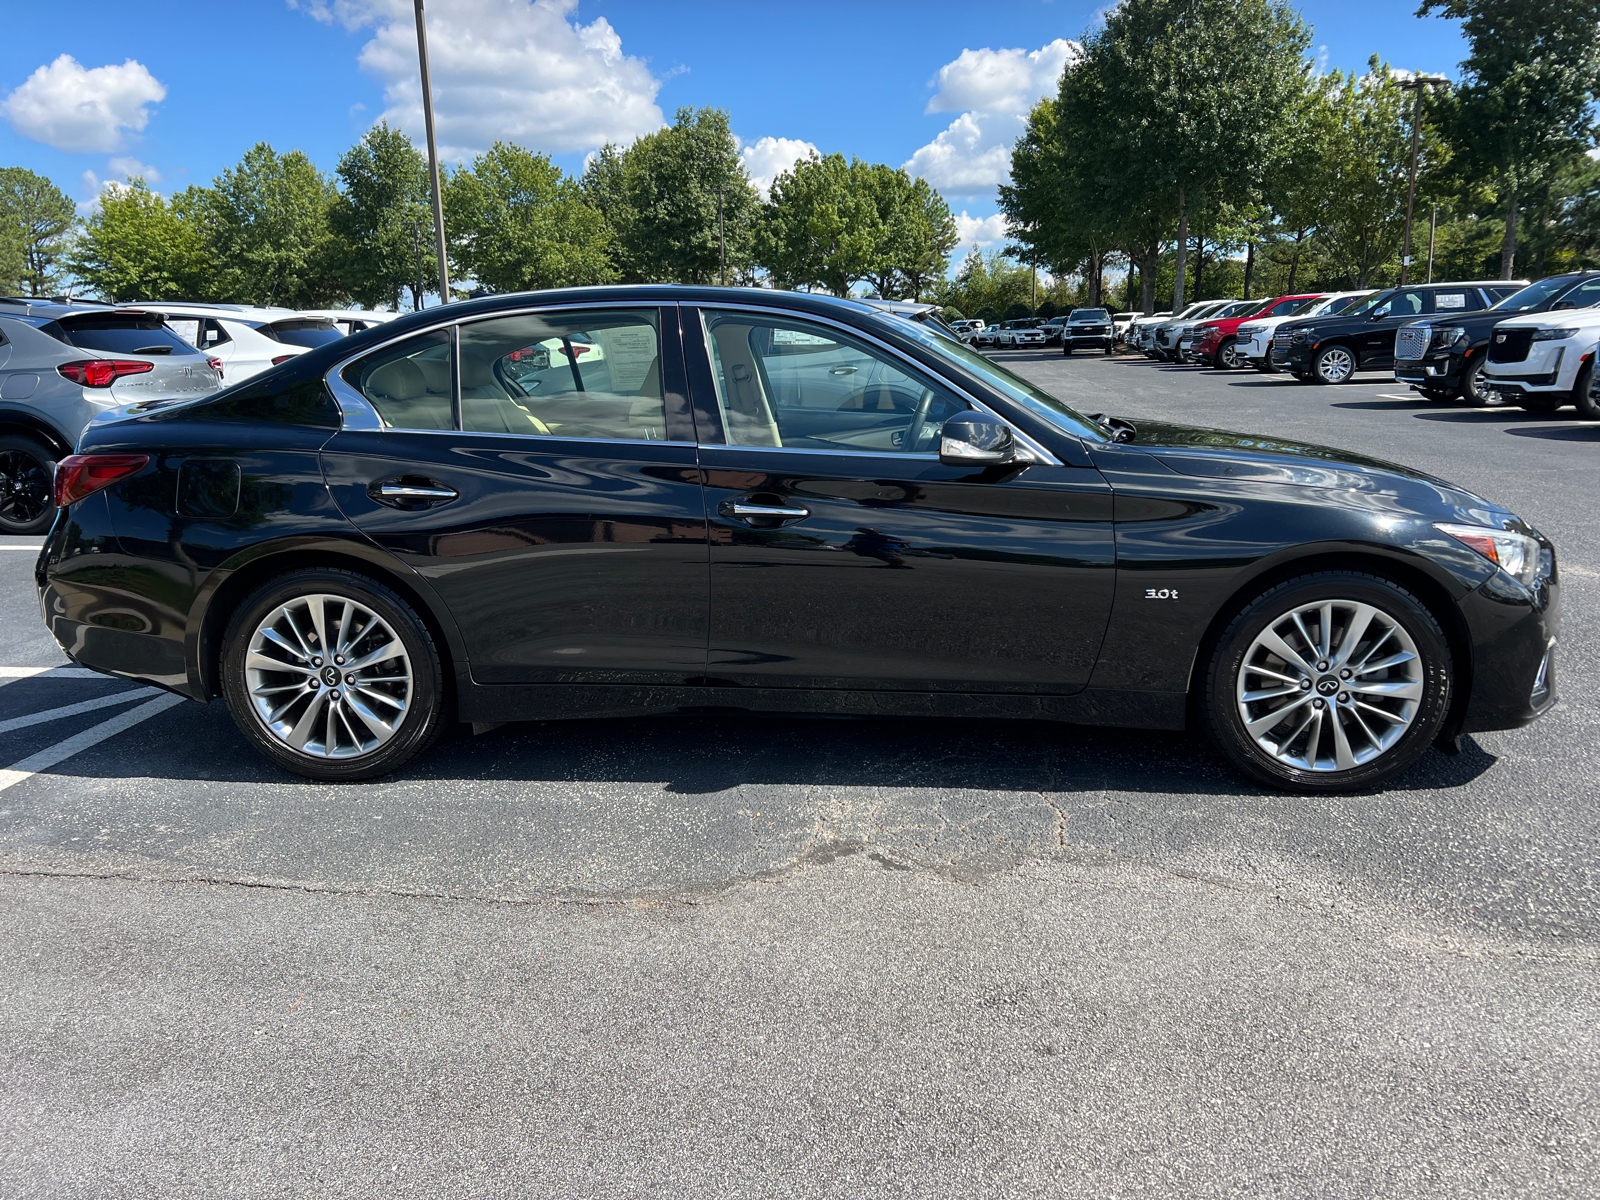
(1443, 300)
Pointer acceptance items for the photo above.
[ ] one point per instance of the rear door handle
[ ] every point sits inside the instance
(412, 492)
(746, 510)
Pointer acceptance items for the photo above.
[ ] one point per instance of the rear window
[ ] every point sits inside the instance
(112, 334)
(308, 333)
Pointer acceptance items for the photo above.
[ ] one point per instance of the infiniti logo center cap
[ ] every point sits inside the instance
(1327, 685)
(330, 676)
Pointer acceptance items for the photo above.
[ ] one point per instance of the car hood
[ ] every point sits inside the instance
(1222, 454)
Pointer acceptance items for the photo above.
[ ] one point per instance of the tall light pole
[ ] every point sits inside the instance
(1415, 84)
(433, 157)
(722, 245)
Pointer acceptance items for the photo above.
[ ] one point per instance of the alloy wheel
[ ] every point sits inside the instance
(24, 489)
(328, 677)
(1329, 686)
(1335, 365)
(1230, 356)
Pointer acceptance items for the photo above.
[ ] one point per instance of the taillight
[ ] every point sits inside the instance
(282, 358)
(102, 372)
(83, 475)
(216, 365)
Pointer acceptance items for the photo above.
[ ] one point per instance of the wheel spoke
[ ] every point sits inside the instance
(1283, 650)
(1394, 660)
(277, 639)
(1354, 632)
(301, 733)
(1405, 689)
(1274, 718)
(341, 640)
(1252, 697)
(1342, 756)
(371, 718)
(1325, 630)
(391, 649)
(316, 608)
(260, 662)
(1271, 674)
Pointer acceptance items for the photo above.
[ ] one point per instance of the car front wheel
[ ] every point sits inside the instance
(1333, 364)
(27, 468)
(1228, 356)
(332, 675)
(1583, 397)
(1330, 682)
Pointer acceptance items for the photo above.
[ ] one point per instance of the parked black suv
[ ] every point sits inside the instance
(1331, 349)
(1443, 358)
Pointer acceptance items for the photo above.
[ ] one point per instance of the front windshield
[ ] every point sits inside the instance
(1243, 308)
(1534, 294)
(1037, 401)
(1361, 304)
(1090, 314)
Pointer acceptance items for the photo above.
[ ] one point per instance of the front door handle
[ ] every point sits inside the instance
(412, 492)
(748, 510)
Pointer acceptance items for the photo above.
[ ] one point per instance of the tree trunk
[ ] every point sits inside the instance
(1249, 266)
(1199, 267)
(1149, 271)
(1182, 265)
(1508, 249)
(1095, 282)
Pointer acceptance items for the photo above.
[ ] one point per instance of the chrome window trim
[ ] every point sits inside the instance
(366, 418)
(1037, 453)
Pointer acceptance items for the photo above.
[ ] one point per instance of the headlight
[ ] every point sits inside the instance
(1248, 331)
(1300, 336)
(1514, 553)
(1450, 335)
(1553, 335)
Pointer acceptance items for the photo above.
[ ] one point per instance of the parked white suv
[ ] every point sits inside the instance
(350, 320)
(1253, 340)
(245, 340)
(1544, 360)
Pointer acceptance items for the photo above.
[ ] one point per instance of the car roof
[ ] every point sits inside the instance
(50, 308)
(225, 312)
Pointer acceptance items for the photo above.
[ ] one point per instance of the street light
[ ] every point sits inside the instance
(433, 157)
(1415, 84)
(722, 245)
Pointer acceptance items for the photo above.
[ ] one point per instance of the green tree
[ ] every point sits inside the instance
(38, 215)
(661, 197)
(137, 246)
(266, 220)
(1187, 118)
(820, 228)
(915, 231)
(10, 259)
(1524, 104)
(517, 223)
(381, 216)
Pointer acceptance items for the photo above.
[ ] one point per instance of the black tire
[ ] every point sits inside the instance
(1334, 365)
(1110, 350)
(1301, 376)
(425, 706)
(1267, 368)
(1583, 398)
(1436, 395)
(1066, 352)
(1221, 708)
(1542, 402)
(27, 474)
(1472, 392)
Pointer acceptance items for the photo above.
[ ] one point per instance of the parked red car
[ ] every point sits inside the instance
(1213, 345)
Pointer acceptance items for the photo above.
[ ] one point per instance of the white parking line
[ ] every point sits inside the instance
(51, 755)
(72, 710)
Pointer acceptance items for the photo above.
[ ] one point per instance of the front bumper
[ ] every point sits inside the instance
(1549, 367)
(1083, 341)
(1515, 632)
(1433, 371)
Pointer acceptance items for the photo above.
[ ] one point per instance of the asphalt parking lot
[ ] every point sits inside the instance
(717, 955)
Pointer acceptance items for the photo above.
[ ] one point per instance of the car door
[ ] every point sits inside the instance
(845, 555)
(1375, 342)
(538, 469)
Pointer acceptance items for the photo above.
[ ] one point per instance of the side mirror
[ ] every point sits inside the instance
(976, 439)
(1379, 314)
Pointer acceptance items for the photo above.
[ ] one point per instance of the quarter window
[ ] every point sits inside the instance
(590, 374)
(408, 383)
(785, 383)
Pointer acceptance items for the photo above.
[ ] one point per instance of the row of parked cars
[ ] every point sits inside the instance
(1080, 329)
(63, 362)
(1473, 341)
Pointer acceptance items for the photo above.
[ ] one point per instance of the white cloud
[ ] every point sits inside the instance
(515, 70)
(980, 233)
(993, 90)
(70, 107)
(767, 158)
(128, 168)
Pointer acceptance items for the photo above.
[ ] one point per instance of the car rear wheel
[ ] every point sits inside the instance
(27, 468)
(332, 675)
(1333, 364)
(1329, 682)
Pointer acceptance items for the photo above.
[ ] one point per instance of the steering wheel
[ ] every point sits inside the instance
(919, 420)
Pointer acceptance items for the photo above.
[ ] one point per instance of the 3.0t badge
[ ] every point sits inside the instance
(1161, 593)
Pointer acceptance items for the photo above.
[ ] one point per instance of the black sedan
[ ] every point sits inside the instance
(632, 500)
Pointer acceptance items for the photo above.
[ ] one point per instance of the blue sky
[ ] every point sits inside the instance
(180, 91)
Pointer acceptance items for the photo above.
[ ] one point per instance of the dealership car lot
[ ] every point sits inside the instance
(713, 951)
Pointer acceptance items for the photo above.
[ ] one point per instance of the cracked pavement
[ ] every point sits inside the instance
(725, 955)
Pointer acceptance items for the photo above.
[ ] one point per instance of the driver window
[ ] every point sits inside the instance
(1585, 295)
(787, 383)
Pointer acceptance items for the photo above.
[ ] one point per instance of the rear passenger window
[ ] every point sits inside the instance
(594, 374)
(408, 383)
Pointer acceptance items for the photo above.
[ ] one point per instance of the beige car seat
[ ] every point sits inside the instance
(399, 391)
(486, 407)
(746, 410)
